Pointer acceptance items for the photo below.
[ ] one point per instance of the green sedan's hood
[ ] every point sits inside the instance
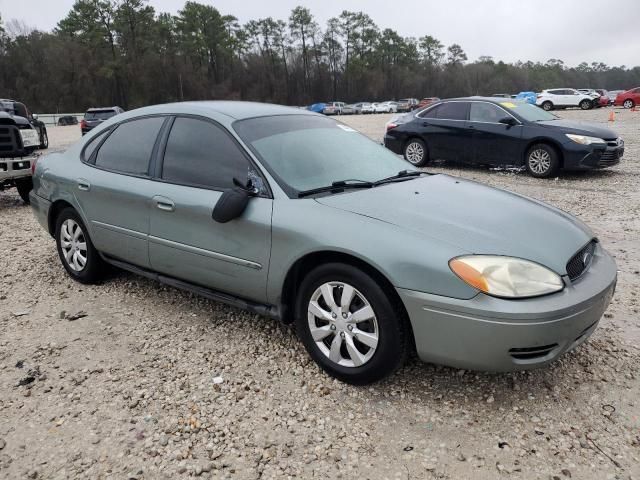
(474, 217)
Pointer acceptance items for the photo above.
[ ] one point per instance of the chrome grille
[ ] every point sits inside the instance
(580, 262)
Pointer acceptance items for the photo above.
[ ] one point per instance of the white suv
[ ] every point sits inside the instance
(563, 98)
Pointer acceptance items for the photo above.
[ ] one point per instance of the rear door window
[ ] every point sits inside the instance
(99, 115)
(453, 111)
(485, 112)
(128, 149)
(202, 154)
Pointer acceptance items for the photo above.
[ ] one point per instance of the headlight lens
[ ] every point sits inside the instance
(506, 276)
(583, 139)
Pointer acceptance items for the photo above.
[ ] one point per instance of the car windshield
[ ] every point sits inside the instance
(99, 115)
(529, 112)
(304, 152)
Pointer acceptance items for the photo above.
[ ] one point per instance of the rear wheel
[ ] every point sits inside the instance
(349, 325)
(44, 140)
(542, 161)
(586, 104)
(415, 152)
(628, 103)
(24, 187)
(79, 257)
(547, 106)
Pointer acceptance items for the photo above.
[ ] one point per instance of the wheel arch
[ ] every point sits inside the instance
(547, 141)
(309, 261)
(54, 210)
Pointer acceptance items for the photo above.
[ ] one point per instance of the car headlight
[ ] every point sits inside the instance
(583, 139)
(507, 277)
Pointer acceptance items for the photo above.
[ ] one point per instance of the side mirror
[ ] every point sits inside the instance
(233, 202)
(34, 116)
(509, 121)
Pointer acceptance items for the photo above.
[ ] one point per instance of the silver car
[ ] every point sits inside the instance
(298, 217)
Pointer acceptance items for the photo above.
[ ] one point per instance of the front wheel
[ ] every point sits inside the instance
(542, 161)
(79, 257)
(24, 187)
(415, 152)
(586, 105)
(349, 325)
(628, 104)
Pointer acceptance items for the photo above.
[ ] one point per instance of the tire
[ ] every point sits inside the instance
(628, 103)
(382, 325)
(415, 152)
(44, 140)
(542, 160)
(92, 268)
(24, 187)
(586, 105)
(547, 106)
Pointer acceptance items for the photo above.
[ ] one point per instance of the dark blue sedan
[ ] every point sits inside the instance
(491, 131)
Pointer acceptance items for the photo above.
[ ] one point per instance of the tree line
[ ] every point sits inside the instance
(123, 52)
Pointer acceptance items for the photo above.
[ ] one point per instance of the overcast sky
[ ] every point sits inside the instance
(572, 30)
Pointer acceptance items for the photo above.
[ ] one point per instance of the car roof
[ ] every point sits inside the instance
(237, 110)
(102, 109)
(496, 100)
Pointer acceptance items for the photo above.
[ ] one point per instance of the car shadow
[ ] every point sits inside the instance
(11, 199)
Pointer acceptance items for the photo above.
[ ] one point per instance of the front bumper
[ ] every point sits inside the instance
(492, 334)
(15, 167)
(585, 157)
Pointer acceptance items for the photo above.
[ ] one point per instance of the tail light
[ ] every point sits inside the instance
(391, 126)
(33, 165)
(83, 123)
(538, 96)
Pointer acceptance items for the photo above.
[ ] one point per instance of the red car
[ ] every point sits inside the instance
(427, 101)
(628, 99)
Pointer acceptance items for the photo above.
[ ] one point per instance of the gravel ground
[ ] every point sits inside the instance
(132, 379)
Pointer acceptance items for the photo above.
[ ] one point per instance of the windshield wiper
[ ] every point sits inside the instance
(401, 175)
(337, 186)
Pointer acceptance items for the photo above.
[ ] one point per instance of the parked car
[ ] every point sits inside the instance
(317, 107)
(389, 106)
(19, 140)
(613, 94)
(67, 120)
(529, 97)
(563, 98)
(333, 108)
(488, 131)
(427, 101)
(96, 116)
(603, 100)
(407, 104)
(349, 110)
(19, 109)
(365, 107)
(231, 207)
(383, 107)
(628, 99)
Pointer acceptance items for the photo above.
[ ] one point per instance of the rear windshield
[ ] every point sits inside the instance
(99, 114)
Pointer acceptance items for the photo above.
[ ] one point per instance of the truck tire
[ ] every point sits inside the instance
(24, 186)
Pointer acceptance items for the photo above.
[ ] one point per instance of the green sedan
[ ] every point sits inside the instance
(298, 217)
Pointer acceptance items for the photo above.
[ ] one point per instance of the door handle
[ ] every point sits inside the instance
(425, 124)
(471, 127)
(83, 185)
(164, 204)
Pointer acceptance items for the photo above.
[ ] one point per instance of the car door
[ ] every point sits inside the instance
(112, 188)
(200, 161)
(446, 133)
(494, 143)
(572, 98)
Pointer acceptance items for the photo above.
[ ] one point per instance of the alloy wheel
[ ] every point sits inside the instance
(627, 104)
(343, 324)
(414, 152)
(74, 245)
(539, 161)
